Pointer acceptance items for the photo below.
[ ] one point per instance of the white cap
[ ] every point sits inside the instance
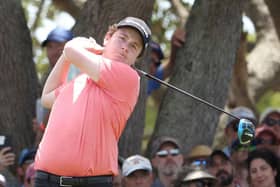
(2, 180)
(135, 162)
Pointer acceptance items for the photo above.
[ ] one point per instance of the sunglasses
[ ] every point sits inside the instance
(165, 153)
(260, 141)
(271, 122)
(199, 163)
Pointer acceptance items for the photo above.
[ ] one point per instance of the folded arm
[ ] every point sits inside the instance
(56, 78)
(82, 52)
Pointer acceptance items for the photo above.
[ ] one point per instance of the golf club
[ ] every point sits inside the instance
(246, 129)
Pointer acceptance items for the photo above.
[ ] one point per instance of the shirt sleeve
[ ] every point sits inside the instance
(119, 80)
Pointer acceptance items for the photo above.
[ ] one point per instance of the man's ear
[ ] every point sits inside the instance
(154, 161)
(106, 39)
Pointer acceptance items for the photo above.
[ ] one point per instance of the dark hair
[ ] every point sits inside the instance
(269, 157)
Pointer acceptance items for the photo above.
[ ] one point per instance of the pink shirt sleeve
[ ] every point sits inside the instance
(119, 80)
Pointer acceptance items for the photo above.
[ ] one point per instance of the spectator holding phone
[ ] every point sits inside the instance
(7, 158)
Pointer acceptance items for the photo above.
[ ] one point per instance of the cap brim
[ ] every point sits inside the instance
(136, 169)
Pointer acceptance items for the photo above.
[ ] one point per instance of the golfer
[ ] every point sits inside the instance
(89, 113)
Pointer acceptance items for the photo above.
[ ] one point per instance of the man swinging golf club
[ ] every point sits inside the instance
(89, 113)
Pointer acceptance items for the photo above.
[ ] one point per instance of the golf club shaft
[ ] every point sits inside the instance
(186, 93)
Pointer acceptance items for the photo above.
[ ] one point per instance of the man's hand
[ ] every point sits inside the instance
(178, 38)
(7, 158)
(87, 43)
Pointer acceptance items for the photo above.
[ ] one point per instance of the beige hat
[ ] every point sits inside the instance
(197, 175)
(200, 151)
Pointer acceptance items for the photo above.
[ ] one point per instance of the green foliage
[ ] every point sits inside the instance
(269, 99)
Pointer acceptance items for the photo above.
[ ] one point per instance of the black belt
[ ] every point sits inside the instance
(73, 181)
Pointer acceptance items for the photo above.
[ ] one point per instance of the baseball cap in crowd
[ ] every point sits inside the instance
(219, 153)
(2, 180)
(267, 112)
(26, 156)
(157, 49)
(134, 163)
(241, 112)
(163, 140)
(58, 35)
(140, 26)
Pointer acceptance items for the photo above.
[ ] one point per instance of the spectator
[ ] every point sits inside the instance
(232, 124)
(239, 154)
(29, 176)
(137, 172)
(92, 109)
(198, 156)
(195, 177)
(266, 137)
(167, 160)
(271, 118)
(7, 158)
(264, 169)
(54, 44)
(26, 157)
(117, 180)
(160, 70)
(222, 168)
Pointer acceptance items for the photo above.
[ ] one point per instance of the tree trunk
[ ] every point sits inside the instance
(18, 77)
(203, 67)
(264, 59)
(97, 16)
(274, 9)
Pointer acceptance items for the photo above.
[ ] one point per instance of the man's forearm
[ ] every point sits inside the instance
(56, 78)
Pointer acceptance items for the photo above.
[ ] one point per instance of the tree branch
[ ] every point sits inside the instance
(73, 7)
(181, 11)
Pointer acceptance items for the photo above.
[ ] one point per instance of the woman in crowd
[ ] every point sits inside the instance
(264, 169)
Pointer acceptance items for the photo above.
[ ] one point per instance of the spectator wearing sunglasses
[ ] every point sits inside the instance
(198, 156)
(137, 172)
(271, 118)
(194, 177)
(221, 166)
(232, 124)
(267, 138)
(167, 160)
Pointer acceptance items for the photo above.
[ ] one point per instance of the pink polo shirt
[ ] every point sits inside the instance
(86, 122)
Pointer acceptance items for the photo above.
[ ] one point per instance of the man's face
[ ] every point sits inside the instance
(168, 160)
(54, 50)
(222, 169)
(231, 131)
(273, 122)
(139, 178)
(154, 62)
(125, 45)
